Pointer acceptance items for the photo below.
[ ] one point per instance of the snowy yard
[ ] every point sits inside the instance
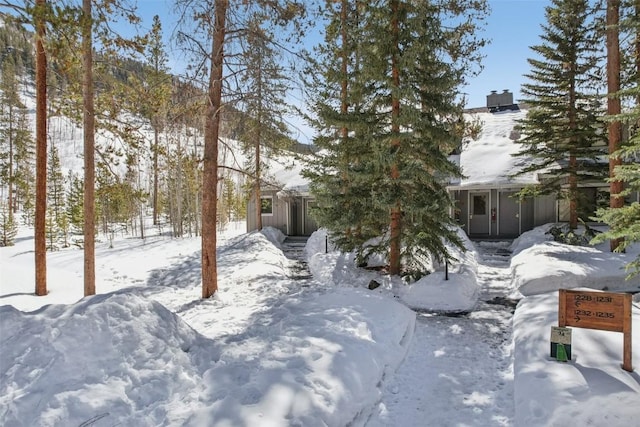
(269, 350)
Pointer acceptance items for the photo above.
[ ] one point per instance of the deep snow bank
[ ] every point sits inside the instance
(265, 351)
(115, 358)
(592, 389)
(430, 293)
(540, 266)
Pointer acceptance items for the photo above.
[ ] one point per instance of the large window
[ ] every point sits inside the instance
(480, 205)
(266, 205)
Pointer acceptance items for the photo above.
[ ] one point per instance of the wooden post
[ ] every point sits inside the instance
(626, 350)
(562, 308)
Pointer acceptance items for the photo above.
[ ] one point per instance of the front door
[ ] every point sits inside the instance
(509, 215)
(294, 230)
(479, 213)
(309, 223)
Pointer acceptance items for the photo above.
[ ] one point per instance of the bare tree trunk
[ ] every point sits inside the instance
(197, 193)
(395, 227)
(88, 121)
(41, 152)
(179, 196)
(573, 176)
(573, 191)
(257, 193)
(12, 208)
(344, 84)
(257, 151)
(210, 161)
(344, 106)
(613, 103)
(140, 203)
(155, 175)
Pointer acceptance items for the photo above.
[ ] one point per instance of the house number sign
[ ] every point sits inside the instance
(604, 311)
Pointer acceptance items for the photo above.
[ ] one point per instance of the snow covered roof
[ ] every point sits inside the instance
(488, 160)
(284, 173)
(292, 179)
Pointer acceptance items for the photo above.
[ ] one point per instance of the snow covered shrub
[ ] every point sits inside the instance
(563, 234)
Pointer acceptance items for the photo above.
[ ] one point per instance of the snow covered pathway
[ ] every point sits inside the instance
(459, 370)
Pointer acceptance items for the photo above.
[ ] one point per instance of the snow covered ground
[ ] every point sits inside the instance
(270, 350)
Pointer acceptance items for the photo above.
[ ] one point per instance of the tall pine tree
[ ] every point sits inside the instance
(75, 199)
(563, 131)
(263, 103)
(39, 23)
(624, 222)
(387, 118)
(10, 108)
(220, 33)
(8, 226)
(56, 201)
(157, 99)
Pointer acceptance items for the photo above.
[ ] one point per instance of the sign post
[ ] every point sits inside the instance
(604, 311)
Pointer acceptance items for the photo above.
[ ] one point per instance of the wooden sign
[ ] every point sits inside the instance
(604, 311)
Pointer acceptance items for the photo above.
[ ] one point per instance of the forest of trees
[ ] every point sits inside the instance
(388, 115)
(385, 96)
(129, 180)
(582, 126)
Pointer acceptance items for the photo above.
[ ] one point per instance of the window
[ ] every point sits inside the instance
(480, 205)
(266, 205)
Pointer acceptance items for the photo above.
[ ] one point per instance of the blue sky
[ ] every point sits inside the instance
(511, 27)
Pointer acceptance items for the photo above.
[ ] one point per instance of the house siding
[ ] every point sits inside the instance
(291, 217)
(544, 210)
(506, 216)
(277, 220)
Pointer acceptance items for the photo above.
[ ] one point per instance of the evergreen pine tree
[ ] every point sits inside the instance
(51, 230)
(17, 147)
(74, 209)
(264, 91)
(39, 20)
(57, 223)
(624, 222)
(157, 99)
(55, 185)
(10, 107)
(24, 168)
(223, 26)
(388, 136)
(8, 226)
(136, 196)
(563, 131)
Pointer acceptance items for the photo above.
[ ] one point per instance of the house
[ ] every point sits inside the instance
(485, 199)
(285, 201)
(486, 206)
